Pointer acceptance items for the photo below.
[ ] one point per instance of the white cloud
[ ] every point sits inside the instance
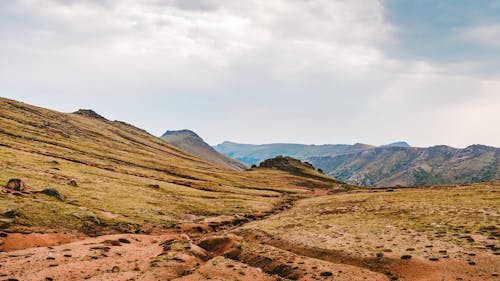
(253, 71)
(486, 35)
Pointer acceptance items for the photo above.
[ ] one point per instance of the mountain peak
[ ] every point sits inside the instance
(184, 132)
(191, 142)
(398, 144)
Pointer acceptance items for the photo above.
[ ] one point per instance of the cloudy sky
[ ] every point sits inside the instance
(304, 71)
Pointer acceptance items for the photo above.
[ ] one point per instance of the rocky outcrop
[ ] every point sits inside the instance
(90, 113)
(295, 167)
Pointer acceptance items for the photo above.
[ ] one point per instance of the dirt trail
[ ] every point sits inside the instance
(208, 250)
(59, 256)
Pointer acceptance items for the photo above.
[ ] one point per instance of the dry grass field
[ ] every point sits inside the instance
(433, 233)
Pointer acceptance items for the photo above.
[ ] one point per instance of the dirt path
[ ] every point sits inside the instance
(60, 256)
(194, 251)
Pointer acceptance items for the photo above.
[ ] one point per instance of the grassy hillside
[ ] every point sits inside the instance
(189, 141)
(408, 166)
(125, 178)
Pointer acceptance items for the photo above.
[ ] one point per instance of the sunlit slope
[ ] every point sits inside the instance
(125, 177)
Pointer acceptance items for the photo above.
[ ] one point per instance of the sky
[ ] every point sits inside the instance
(259, 71)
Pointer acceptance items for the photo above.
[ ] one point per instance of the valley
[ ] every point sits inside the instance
(86, 198)
(210, 140)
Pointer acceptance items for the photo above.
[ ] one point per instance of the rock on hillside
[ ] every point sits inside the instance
(189, 141)
(89, 113)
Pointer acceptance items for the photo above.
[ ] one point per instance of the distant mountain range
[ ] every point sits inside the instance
(387, 165)
(251, 154)
(254, 154)
(409, 166)
(189, 141)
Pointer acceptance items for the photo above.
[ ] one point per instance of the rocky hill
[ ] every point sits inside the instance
(296, 167)
(410, 166)
(189, 141)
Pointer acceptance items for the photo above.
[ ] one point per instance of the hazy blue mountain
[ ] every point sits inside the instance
(251, 154)
(398, 144)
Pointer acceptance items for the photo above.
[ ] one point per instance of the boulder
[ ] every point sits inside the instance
(200, 252)
(16, 184)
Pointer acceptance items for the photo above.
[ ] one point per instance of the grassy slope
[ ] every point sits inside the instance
(363, 223)
(113, 164)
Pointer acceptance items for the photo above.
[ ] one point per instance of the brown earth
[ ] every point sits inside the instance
(185, 253)
(222, 250)
(416, 268)
(19, 241)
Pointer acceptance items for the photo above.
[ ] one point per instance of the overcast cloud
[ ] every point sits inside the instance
(304, 71)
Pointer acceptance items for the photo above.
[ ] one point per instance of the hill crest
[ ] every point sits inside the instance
(295, 167)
